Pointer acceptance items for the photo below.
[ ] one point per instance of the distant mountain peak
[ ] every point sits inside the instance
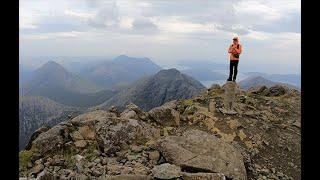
(157, 89)
(51, 63)
(256, 80)
(171, 72)
(53, 66)
(122, 56)
(128, 58)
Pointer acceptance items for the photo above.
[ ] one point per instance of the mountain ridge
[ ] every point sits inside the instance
(155, 90)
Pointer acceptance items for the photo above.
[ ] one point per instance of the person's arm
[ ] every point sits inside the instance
(238, 51)
(230, 49)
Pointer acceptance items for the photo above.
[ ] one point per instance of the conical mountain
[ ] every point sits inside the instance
(155, 90)
(53, 81)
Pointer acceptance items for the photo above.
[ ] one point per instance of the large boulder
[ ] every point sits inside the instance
(42, 129)
(115, 134)
(166, 114)
(260, 90)
(198, 151)
(277, 90)
(132, 111)
(52, 139)
(92, 117)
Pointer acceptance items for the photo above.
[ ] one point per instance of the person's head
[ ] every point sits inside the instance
(235, 40)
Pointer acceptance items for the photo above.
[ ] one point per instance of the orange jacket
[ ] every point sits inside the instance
(234, 50)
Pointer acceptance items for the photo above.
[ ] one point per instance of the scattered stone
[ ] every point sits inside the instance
(38, 168)
(76, 136)
(233, 124)
(154, 156)
(137, 149)
(80, 143)
(242, 135)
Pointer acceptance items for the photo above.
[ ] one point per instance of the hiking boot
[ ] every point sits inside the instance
(229, 79)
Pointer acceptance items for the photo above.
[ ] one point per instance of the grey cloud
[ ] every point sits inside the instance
(105, 17)
(143, 24)
(234, 29)
(195, 11)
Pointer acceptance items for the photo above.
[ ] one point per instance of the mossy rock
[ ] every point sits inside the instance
(183, 104)
(25, 158)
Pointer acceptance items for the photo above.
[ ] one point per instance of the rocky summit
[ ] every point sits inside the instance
(256, 136)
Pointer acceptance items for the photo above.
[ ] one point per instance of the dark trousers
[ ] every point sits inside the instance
(233, 70)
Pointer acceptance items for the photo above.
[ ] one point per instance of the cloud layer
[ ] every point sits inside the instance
(166, 30)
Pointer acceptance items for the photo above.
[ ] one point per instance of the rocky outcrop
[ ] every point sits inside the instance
(187, 139)
(42, 129)
(166, 114)
(132, 111)
(276, 90)
(229, 94)
(51, 140)
(201, 152)
(154, 91)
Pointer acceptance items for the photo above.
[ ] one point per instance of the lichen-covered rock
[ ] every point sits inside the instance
(87, 132)
(34, 135)
(92, 117)
(199, 150)
(132, 111)
(114, 134)
(52, 139)
(166, 114)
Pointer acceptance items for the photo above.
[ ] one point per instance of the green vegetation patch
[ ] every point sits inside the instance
(25, 158)
(183, 104)
(90, 154)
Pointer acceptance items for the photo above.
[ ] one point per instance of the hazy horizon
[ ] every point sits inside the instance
(38, 61)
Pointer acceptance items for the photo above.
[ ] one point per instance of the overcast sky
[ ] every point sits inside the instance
(165, 31)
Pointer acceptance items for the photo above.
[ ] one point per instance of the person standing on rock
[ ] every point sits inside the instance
(234, 50)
